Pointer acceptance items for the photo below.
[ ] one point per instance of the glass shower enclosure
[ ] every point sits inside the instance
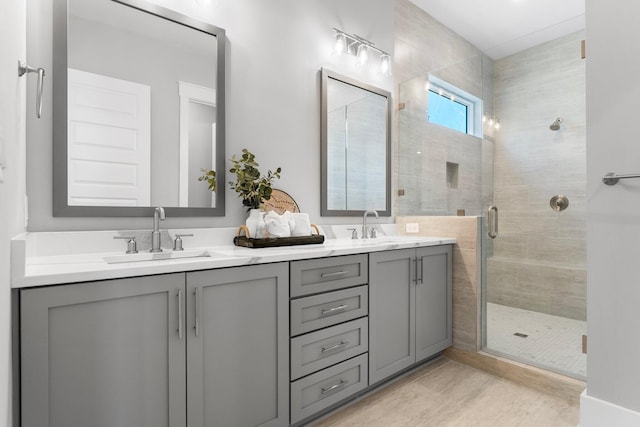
(529, 164)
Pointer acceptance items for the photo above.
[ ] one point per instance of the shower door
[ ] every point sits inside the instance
(534, 290)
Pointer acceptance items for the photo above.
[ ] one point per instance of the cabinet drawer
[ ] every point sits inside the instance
(317, 350)
(327, 274)
(320, 311)
(319, 391)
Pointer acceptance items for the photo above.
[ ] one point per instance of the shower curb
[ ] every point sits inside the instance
(556, 385)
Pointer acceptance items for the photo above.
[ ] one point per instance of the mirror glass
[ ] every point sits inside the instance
(138, 92)
(355, 147)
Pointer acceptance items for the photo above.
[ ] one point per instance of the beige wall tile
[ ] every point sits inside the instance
(466, 284)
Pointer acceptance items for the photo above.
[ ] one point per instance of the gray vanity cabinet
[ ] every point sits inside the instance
(329, 333)
(103, 354)
(237, 346)
(153, 351)
(409, 308)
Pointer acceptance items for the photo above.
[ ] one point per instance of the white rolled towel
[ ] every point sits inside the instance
(302, 224)
(277, 225)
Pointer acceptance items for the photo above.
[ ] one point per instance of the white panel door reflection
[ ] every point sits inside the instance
(108, 150)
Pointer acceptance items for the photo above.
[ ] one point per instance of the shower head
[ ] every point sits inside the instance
(556, 125)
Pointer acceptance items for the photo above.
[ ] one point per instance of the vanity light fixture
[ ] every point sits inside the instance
(341, 44)
(385, 64)
(361, 48)
(362, 55)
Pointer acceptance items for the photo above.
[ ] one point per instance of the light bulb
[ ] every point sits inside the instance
(484, 118)
(362, 54)
(385, 64)
(497, 125)
(341, 44)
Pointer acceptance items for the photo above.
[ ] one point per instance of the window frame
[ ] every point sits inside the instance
(472, 102)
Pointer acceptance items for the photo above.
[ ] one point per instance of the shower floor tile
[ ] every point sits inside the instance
(551, 342)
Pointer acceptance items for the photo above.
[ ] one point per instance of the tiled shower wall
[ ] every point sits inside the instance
(424, 46)
(540, 256)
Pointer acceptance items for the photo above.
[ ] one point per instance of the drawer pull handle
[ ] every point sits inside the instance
(333, 310)
(334, 347)
(341, 384)
(334, 274)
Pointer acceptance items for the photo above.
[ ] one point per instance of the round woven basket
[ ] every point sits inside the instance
(281, 202)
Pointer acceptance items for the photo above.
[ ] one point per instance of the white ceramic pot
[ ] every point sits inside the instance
(254, 221)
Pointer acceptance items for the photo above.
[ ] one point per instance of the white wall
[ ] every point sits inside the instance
(12, 190)
(613, 215)
(275, 50)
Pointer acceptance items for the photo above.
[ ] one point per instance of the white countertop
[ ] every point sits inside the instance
(35, 261)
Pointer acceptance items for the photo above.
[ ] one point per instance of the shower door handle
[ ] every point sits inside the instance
(492, 219)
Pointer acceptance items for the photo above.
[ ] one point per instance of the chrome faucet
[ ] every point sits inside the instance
(365, 231)
(158, 214)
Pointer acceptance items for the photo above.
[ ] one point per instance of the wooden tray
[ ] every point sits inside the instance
(271, 242)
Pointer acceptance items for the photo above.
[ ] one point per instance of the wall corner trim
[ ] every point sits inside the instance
(595, 412)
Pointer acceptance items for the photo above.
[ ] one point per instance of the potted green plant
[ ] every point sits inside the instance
(250, 184)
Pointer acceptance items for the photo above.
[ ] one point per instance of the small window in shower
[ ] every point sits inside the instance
(454, 108)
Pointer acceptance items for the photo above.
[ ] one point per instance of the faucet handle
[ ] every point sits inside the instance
(177, 243)
(354, 233)
(373, 233)
(131, 244)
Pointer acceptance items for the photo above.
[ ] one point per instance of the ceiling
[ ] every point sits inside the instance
(500, 28)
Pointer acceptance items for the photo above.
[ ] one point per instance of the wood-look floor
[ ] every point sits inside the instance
(446, 393)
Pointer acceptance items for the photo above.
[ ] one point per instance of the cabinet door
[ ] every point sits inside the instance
(433, 301)
(391, 312)
(237, 346)
(103, 354)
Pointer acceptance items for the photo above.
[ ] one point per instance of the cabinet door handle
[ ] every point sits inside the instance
(420, 270)
(333, 310)
(196, 323)
(334, 347)
(341, 384)
(180, 325)
(413, 272)
(334, 274)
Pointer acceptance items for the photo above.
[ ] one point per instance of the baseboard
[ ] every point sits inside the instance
(596, 413)
(538, 379)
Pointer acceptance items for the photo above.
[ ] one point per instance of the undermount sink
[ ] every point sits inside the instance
(381, 240)
(156, 256)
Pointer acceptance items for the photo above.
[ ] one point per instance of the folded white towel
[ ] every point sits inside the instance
(302, 224)
(277, 225)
